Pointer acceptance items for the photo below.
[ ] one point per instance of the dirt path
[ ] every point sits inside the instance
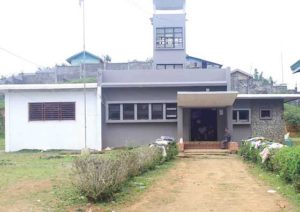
(209, 183)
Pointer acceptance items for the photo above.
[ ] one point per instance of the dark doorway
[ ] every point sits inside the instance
(204, 125)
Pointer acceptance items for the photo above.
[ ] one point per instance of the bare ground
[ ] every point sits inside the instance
(209, 183)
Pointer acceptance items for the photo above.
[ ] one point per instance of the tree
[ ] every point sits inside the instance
(106, 58)
(271, 81)
(255, 75)
(261, 76)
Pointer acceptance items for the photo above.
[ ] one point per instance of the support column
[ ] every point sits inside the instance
(229, 120)
(179, 123)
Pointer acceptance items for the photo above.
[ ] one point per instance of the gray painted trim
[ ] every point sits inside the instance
(163, 84)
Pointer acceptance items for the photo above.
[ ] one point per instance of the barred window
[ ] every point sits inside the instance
(51, 111)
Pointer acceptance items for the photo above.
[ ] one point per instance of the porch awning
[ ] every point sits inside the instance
(206, 99)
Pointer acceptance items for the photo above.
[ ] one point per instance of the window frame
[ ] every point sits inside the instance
(145, 112)
(238, 120)
(169, 38)
(136, 120)
(57, 115)
(120, 112)
(123, 111)
(153, 112)
(265, 118)
(172, 66)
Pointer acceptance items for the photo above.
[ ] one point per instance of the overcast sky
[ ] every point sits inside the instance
(243, 34)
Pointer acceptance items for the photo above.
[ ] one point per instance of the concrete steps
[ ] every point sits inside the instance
(206, 152)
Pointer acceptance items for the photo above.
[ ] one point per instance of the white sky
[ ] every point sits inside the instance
(243, 34)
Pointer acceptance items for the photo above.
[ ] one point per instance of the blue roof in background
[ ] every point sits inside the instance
(201, 60)
(296, 67)
(81, 54)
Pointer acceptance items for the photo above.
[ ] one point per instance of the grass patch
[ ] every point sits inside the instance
(296, 141)
(24, 175)
(274, 180)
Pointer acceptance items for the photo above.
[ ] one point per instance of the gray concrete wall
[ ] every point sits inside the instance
(118, 135)
(121, 134)
(189, 75)
(169, 56)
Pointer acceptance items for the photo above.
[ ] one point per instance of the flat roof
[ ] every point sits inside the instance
(206, 99)
(68, 86)
(161, 84)
(285, 97)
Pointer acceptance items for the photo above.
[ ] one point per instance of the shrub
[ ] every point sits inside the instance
(99, 176)
(172, 151)
(284, 161)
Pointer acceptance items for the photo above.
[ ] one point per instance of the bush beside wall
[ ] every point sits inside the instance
(285, 162)
(98, 177)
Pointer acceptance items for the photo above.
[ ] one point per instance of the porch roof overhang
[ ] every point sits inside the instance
(284, 97)
(206, 99)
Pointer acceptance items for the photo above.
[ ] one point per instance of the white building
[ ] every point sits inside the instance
(51, 117)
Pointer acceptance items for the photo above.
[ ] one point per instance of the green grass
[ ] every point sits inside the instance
(273, 180)
(24, 169)
(296, 141)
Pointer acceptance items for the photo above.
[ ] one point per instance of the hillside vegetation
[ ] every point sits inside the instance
(292, 115)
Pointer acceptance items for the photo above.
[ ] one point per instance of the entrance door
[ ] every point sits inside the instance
(203, 124)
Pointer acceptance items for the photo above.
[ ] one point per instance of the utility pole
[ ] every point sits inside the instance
(81, 2)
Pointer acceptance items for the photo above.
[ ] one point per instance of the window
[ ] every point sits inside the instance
(171, 37)
(265, 114)
(157, 111)
(169, 66)
(142, 111)
(114, 112)
(171, 111)
(128, 111)
(36, 112)
(51, 111)
(241, 116)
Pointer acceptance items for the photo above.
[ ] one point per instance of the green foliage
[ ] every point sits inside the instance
(255, 75)
(2, 102)
(249, 153)
(172, 151)
(2, 142)
(98, 177)
(284, 161)
(87, 80)
(292, 115)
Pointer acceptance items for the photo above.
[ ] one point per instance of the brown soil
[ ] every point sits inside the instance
(15, 198)
(209, 183)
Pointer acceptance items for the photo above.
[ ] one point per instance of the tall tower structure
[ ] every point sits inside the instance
(169, 46)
